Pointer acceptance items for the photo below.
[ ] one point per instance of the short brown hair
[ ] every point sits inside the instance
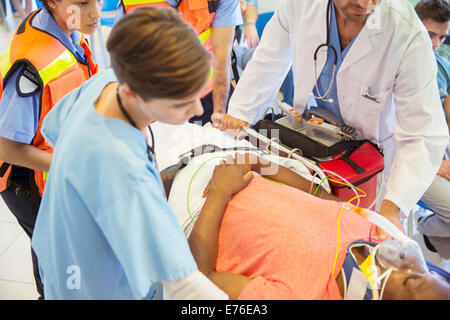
(158, 55)
(437, 10)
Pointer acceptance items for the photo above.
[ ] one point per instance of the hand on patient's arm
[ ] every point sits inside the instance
(392, 212)
(227, 180)
(444, 170)
(24, 155)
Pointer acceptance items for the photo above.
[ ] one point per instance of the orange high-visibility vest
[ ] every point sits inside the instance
(199, 14)
(58, 70)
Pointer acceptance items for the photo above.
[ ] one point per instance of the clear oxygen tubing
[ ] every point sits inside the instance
(380, 189)
(387, 250)
(379, 221)
(391, 252)
(384, 224)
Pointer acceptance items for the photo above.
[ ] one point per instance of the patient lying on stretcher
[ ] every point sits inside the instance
(277, 241)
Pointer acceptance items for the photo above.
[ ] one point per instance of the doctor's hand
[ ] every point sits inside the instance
(390, 211)
(229, 177)
(228, 123)
(444, 170)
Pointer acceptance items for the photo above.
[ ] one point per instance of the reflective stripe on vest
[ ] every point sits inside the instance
(50, 72)
(135, 2)
(130, 5)
(5, 64)
(54, 69)
(204, 37)
(62, 63)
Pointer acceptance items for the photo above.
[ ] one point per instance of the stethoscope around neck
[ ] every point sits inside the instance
(329, 46)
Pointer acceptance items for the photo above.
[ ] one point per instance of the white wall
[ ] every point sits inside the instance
(266, 5)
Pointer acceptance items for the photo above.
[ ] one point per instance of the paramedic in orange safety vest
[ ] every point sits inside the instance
(214, 21)
(46, 59)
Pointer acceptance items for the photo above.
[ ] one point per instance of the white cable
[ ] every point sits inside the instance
(292, 152)
(270, 143)
(311, 165)
(312, 183)
(308, 163)
(378, 193)
(350, 185)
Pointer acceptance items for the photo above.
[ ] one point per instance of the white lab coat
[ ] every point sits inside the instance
(391, 58)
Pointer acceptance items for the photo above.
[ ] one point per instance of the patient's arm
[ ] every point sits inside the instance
(283, 175)
(204, 238)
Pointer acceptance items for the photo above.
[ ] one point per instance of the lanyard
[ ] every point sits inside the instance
(150, 149)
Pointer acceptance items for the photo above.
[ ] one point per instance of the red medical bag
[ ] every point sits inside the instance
(359, 166)
(357, 161)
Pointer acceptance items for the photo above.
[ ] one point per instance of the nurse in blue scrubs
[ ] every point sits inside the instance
(105, 229)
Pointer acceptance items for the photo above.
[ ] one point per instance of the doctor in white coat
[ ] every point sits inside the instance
(385, 85)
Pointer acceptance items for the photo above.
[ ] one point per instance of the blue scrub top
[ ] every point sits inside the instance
(325, 77)
(104, 228)
(443, 76)
(228, 13)
(19, 113)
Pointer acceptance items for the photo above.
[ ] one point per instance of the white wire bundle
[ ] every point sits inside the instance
(311, 165)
